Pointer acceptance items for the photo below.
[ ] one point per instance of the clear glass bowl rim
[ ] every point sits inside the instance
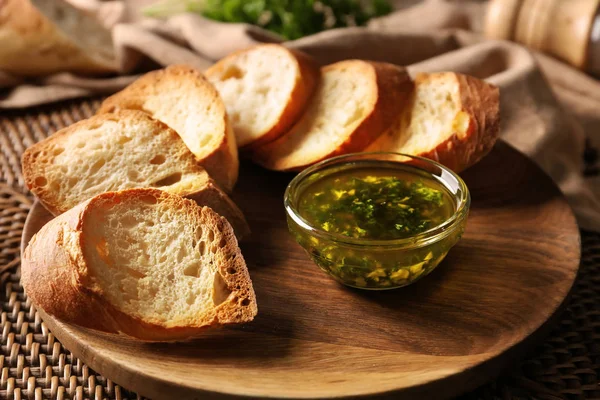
(430, 236)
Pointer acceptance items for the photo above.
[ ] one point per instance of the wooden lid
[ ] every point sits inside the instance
(501, 18)
(559, 27)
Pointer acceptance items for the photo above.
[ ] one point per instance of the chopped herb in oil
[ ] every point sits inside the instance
(376, 204)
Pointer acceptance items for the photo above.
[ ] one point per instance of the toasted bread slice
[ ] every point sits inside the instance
(452, 118)
(265, 89)
(353, 104)
(142, 262)
(111, 152)
(42, 37)
(181, 97)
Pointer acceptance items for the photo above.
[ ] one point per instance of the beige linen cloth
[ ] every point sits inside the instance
(548, 108)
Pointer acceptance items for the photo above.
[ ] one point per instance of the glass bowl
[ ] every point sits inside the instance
(378, 264)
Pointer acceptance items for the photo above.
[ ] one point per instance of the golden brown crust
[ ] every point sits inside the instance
(480, 101)
(32, 45)
(56, 275)
(392, 89)
(220, 159)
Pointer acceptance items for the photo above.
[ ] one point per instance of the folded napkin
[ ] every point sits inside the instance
(550, 111)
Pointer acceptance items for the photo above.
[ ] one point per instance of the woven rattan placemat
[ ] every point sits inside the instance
(36, 366)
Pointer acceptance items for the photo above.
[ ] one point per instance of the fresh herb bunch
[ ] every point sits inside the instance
(375, 207)
(291, 19)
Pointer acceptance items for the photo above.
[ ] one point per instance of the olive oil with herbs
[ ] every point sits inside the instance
(361, 202)
(376, 203)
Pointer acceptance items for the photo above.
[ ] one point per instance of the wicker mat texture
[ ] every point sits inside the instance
(36, 366)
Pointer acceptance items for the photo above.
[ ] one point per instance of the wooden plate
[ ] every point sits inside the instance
(490, 300)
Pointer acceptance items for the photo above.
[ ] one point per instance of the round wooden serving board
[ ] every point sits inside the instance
(492, 298)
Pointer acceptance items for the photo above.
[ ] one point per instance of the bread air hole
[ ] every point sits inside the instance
(211, 236)
(135, 274)
(129, 221)
(220, 290)
(193, 270)
(232, 72)
(169, 180)
(149, 199)
(97, 165)
(158, 159)
(190, 299)
(245, 302)
(41, 181)
(57, 151)
(181, 254)
(231, 271)
(202, 247)
(133, 175)
(123, 139)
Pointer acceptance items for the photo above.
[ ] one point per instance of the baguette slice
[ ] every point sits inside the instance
(142, 262)
(265, 89)
(181, 97)
(111, 152)
(354, 103)
(452, 118)
(42, 37)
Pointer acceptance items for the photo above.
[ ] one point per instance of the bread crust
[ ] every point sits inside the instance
(32, 45)
(391, 89)
(207, 192)
(481, 102)
(221, 158)
(306, 81)
(56, 275)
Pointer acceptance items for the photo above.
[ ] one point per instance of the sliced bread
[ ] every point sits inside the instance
(353, 104)
(142, 262)
(265, 89)
(111, 152)
(181, 97)
(42, 37)
(451, 118)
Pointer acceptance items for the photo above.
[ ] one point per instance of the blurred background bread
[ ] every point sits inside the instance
(42, 37)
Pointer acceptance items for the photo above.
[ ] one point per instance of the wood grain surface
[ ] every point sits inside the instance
(493, 297)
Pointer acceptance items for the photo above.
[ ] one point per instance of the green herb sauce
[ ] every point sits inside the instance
(376, 203)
